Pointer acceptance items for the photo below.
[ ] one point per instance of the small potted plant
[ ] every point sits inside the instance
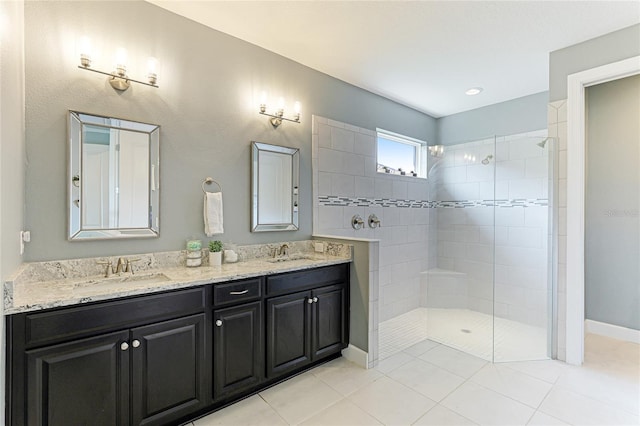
(215, 253)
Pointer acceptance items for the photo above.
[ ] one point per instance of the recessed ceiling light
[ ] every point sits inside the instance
(474, 91)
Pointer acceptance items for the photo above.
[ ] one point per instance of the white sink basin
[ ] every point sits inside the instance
(123, 280)
(289, 258)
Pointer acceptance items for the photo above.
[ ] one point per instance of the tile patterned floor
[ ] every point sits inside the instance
(431, 384)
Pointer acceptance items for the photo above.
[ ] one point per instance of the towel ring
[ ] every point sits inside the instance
(209, 181)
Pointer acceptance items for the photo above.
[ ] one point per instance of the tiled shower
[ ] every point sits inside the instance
(464, 254)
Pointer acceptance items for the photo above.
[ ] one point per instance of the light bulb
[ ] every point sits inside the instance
(85, 51)
(152, 70)
(280, 112)
(263, 98)
(152, 65)
(121, 61)
(296, 109)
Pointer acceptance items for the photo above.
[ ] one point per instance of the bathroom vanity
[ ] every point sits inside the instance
(167, 357)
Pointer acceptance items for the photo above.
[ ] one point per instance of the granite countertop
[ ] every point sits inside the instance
(36, 292)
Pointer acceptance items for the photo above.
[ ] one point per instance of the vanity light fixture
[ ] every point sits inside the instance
(436, 151)
(278, 116)
(119, 79)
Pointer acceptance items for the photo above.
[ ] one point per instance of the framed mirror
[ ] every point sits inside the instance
(113, 178)
(274, 187)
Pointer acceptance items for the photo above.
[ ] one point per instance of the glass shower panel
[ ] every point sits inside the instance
(459, 283)
(522, 308)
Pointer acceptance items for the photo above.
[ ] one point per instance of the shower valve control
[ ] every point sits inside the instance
(357, 222)
(374, 222)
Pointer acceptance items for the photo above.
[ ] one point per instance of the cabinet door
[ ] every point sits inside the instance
(238, 355)
(329, 322)
(168, 370)
(288, 333)
(84, 382)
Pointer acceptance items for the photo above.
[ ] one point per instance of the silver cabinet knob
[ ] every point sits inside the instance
(219, 323)
(135, 343)
(124, 346)
(309, 300)
(315, 300)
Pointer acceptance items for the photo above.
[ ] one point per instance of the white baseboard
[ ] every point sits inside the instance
(613, 331)
(356, 355)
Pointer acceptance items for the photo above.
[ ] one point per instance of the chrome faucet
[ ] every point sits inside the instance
(282, 251)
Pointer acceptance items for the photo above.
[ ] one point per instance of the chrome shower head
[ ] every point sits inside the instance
(486, 159)
(543, 143)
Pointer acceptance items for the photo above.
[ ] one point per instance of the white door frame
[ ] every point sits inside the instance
(576, 120)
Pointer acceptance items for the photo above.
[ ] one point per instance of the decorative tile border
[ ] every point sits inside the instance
(328, 200)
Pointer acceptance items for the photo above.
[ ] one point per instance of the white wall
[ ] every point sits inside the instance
(346, 183)
(12, 147)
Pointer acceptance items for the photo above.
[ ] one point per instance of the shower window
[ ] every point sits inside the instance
(400, 155)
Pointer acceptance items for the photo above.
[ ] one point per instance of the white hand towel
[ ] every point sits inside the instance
(213, 213)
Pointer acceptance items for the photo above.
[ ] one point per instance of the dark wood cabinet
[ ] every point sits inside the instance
(166, 358)
(168, 378)
(288, 333)
(303, 327)
(79, 366)
(151, 375)
(84, 382)
(329, 326)
(238, 360)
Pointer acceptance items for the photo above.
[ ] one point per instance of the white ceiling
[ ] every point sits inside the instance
(423, 54)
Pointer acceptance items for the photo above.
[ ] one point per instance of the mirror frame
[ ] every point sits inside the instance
(77, 120)
(256, 225)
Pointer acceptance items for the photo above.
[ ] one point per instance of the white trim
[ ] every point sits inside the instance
(576, 84)
(356, 355)
(613, 331)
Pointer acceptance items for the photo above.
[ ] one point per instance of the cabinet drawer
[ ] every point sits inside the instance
(309, 278)
(237, 291)
(63, 324)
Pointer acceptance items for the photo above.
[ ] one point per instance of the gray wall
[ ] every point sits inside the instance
(206, 105)
(516, 116)
(612, 241)
(606, 49)
(11, 152)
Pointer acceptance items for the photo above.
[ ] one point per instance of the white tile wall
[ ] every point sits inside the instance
(346, 166)
(466, 237)
(557, 120)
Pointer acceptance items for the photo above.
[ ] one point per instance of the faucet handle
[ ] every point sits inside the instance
(109, 269)
(357, 222)
(129, 265)
(374, 222)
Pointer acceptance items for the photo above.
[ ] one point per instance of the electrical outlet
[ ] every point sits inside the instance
(25, 237)
(318, 247)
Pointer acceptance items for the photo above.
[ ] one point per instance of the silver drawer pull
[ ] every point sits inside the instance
(315, 300)
(124, 346)
(238, 293)
(219, 323)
